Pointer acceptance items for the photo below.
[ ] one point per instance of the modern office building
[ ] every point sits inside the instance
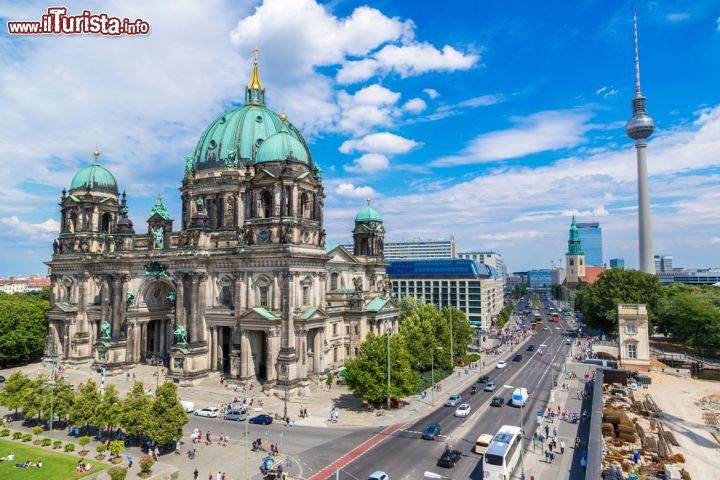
(703, 276)
(493, 259)
(591, 243)
(558, 276)
(617, 263)
(539, 279)
(472, 288)
(663, 264)
(417, 249)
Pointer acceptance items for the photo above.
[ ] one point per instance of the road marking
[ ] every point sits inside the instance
(356, 452)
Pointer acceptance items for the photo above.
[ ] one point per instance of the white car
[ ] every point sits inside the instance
(463, 410)
(211, 412)
(453, 401)
(379, 475)
(501, 364)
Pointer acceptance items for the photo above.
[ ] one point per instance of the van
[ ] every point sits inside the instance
(482, 443)
(520, 397)
(189, 407)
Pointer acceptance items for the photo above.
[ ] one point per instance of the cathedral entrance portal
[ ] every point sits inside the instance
(258, 355)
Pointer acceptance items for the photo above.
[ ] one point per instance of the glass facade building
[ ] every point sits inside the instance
(617, 263)
(416, 250)
(591, 243)
(472, 288)
(539, 279)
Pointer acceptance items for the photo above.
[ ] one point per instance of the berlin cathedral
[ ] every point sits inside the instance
(245, 287)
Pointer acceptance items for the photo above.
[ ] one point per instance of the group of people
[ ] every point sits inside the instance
(82, 466)
(219, 476)
(334, 415)
(197, 437)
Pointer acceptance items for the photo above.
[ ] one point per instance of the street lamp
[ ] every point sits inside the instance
(52, 358)
(432, 372)
(388, 331)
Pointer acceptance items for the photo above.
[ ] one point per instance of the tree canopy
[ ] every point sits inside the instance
(135, 411)
(167, 417)
(598, 301)
(691, 314)
(23, 325)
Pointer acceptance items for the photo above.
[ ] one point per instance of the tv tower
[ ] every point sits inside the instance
(639, 128)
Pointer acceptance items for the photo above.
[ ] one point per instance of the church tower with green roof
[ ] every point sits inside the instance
(574, 258)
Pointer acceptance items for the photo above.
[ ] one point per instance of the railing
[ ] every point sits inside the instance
(685, 356)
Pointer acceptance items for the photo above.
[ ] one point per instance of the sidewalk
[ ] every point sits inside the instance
(567, 465)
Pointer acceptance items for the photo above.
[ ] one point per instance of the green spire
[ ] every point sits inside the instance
(574, 247)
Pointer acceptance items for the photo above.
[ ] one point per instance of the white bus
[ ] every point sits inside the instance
(503, 454)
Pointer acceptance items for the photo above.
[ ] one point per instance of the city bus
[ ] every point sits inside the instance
(503, 454)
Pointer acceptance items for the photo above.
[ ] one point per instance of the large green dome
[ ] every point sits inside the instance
(237, 136)
(96, 178)
(281, 146)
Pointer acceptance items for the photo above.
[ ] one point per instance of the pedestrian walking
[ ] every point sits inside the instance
(223, 476)
(195, 474)
(218, 476)
(207, 438)
(562, 446)
(547, 431)
(555, 431)
(547, 456)
(552, 457)
(305, 413)
(550, 446)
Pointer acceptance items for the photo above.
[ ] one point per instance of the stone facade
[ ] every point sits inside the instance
(245, 287)
(634, 336)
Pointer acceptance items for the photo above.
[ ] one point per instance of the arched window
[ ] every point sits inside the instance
(304, 205)
(266, 204)
(263, 291)
(106, 222)
(263, 296)
(288, 202)
(71, 221)
(306, 295)
(334, 281)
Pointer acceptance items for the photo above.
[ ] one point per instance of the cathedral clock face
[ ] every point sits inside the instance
(264, 236)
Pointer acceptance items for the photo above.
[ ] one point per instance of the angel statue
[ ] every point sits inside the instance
(158, 235)
(104, 329)
(181, 335)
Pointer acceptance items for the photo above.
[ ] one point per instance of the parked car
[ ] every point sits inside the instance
(453, 401)
(489, 387)
(432, 431)
(484, 379)
(482, 443)
(189, 407)
(379, 475)
(449, 458)
(501, 364)
(497, 401)
(210, 412)
(463, 410)
(236, 415)
(261, 420)
(530, 347)
(517, 358)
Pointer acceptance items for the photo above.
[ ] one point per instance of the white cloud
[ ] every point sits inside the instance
(415, 105)
(370, 163)
(511, 235)
(369, 107)
(543, 131)
(607, 92)
(599, 211)
(383, 142)
(40, 231)
(356, 71)
(600, 90)
(350, 190)
(431, 92)
(677, 17)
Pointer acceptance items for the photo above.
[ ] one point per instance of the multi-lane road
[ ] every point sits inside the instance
(404, 455)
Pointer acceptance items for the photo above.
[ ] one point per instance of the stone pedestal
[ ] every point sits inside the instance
(111, 354)
(188, 363)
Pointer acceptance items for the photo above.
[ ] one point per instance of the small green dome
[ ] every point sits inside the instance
(238, 135)
(368, 214)
(281, 146)
(96, 178)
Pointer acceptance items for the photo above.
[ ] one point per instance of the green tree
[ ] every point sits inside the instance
(135, 410)
(504, 315)
(419, 330)
(462, 332)
(116, 447)
(35, 397)
(23, 325)
(63, 399)
(83, 410)
(16, 386)
(408, 305)
(519, 291)
(691, 314)
(108, 411)
(367, 373)
(167, 417)
(598, 301)
(83, 441)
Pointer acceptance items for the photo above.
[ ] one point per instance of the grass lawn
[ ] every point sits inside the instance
(56, 465)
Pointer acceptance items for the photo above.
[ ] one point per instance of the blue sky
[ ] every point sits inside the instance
(490, 121)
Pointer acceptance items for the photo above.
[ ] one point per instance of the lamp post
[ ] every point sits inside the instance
(432, 372)
(522, 439)
(53, 360)
(452, 363)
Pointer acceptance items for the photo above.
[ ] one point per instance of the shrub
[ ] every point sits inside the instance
(17, 435)
(117, 473)
(46, 442)
(37, 431)
(100, 448)
(57, 444)
(146, 463)
(4, 432)
(70, 447)
(84, 441)
(27, 437)
(116, 447)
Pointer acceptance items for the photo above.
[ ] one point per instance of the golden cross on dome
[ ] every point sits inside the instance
(96, 153)
(160, 198)
(255, 55)
(369, 200)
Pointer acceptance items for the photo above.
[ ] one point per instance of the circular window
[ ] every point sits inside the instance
(259, 119)
(222, 120)
(258, 142)
(213, 144)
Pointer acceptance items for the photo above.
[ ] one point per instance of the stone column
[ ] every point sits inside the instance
(237, 293)
(319, 351)
(221, 348)
(104, 298)
(322, 288)
(295, 207)
(161, 340)
(117, 303)
(213, 348)
(244, 353)
(272, 354)
(143, 337)
(276, 293)
(180, 300)
(202, 293)
(194, 294)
